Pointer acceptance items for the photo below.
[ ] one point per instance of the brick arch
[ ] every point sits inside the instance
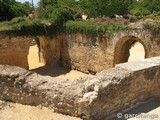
(121, 50)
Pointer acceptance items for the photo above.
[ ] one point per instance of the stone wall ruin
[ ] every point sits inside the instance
(98, 98)
(86, 53)
(101, 97)
(14, 50)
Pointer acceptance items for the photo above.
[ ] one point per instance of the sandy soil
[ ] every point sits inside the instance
(148, 111)
(33, 58)
(136, 53)
(59, 72)
(13, 111)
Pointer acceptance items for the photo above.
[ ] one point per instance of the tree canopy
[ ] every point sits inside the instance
(145, 7)
(96, 8)
(10, 9)
(93, 8)
(45, 3)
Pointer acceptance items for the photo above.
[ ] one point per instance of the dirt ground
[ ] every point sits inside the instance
(39, 67)
(13, 111)
(149, 110)
(136, 53)
(33, 58)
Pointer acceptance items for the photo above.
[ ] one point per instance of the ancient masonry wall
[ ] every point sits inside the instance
(109, 92)
(51, 49)
(86, 53)
(14, 50)
(94, 53)
(89, 54)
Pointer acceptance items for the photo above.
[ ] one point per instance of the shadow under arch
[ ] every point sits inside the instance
(122, 47)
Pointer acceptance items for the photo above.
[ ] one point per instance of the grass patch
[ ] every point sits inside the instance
(152, 17)
(89, 27)
(48, 24)
(28, 27)
(152, 27)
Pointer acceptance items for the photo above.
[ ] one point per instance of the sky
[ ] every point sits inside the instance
(34, 1)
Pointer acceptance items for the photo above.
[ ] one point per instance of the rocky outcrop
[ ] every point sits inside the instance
(22, 86)
(123, 87)
(109, 92)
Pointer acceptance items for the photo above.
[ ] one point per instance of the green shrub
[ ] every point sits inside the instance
(89, 27)
(48, 25)
(140, 12)
(152, 27)
(136, 12)
(56, 15)
(152, 17)
(158, 13)
(51, 21)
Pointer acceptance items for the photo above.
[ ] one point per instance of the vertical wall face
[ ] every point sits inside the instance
(14, 50)
(86, 53)
(131, 84)
(122, 47)
(51, 49)
(82, 52)
(149, 40)
(154, 45)
(95, 53)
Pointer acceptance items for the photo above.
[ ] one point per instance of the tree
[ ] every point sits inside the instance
(73, 4)
(145, 7)
(61, 3)
(95, 8)
(19, 9)
(5, 10)
(45, 3)
(50, 8)
(10, 9)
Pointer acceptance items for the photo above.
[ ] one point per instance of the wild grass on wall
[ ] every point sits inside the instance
(89, 27)
(55, 20)
(152, 27)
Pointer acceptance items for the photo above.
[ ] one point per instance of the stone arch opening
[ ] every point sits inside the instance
(35, 57)
(137, 52)
(123, 46)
